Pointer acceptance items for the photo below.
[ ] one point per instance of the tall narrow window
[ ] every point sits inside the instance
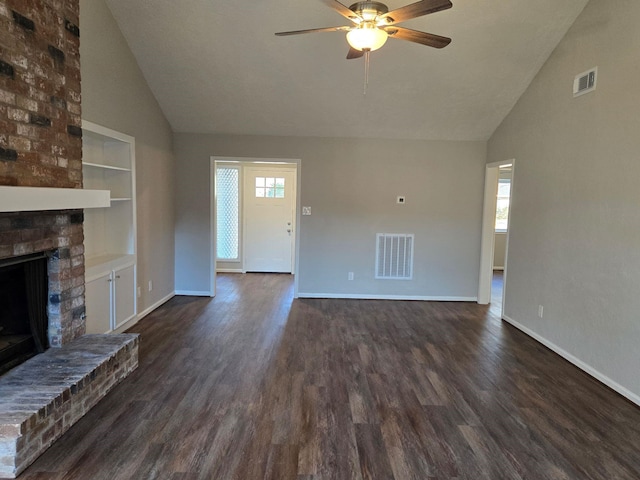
(228, 213)
(502, 204)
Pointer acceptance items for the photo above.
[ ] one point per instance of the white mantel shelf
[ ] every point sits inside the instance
(32, 199)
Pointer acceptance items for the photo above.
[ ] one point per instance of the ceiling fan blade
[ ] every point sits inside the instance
(343, 10)
(353, 53)
(429, 39)
(418, 9)
(314, 30)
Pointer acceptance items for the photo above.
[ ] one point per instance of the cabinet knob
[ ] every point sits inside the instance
(117, 276)
(109, 280)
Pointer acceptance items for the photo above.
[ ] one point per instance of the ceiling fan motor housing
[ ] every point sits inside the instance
(369, 11)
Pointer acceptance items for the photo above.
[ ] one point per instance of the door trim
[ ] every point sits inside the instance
(294, 162)
(488, 231)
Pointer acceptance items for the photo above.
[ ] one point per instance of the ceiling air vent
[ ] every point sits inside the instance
(585, 82)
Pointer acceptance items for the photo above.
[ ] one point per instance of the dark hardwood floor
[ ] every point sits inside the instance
(252, 385)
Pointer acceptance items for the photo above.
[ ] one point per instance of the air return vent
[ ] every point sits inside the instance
(394, 256)
(585, 82)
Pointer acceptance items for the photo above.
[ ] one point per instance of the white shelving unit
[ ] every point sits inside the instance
(110, 233)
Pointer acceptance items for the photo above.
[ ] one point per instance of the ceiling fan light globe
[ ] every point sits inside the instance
(367, 38)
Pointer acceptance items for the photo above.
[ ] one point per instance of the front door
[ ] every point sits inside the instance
(269, 204)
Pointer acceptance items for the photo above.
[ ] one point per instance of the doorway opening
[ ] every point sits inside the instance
(255, 215)
(498, 193)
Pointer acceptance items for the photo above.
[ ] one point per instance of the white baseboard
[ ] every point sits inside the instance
(125, 325)
(367, 296)
(128, 324)
(160, 302)
(193, 293)
(576, 361)
(135, 319)
(229, 270)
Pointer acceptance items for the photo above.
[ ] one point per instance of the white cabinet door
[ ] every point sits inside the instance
(98, 304)
(124, 300)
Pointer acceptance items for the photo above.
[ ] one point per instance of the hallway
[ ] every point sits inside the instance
(497, 285)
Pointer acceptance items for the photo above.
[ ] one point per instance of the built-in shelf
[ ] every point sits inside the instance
(108, 163)
(106, 167)
(92, 261)
(96, 264)
(109, 233)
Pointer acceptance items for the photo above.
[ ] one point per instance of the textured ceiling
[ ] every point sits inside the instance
(216, 66)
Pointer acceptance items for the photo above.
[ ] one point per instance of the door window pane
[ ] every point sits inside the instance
(279, 182)
(269, 187)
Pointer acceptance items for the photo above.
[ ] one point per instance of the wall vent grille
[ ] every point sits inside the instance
(585, 82)
(394, 256)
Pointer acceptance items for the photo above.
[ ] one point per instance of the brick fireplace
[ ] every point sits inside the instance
(41, 146)
(60, 235)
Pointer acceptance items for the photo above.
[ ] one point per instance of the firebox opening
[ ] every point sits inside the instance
(23, 309)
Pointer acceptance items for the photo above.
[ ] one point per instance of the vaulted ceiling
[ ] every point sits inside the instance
(215, 66)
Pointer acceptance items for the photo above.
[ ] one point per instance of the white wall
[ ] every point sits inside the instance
(575, 224)
(351, 185)
(116, 95)
(499, 249)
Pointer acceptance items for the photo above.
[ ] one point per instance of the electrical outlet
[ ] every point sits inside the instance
(139, 291)
(400, 200)
(150, 285)
(540, 311)
(350, 276)
(306, 210)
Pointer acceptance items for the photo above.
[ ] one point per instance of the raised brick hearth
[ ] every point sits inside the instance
(47, 394)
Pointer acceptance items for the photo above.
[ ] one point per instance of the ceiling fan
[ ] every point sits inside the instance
(373, 23)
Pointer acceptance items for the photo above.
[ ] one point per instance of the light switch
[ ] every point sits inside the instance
(306, 210)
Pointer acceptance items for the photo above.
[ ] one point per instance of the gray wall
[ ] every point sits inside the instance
(351, 186)
(575, 224)
(116, 95)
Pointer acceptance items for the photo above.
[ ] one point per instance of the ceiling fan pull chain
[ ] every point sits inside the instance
(366, 70)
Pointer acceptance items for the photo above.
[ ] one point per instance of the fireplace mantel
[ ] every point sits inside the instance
(31, 199)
